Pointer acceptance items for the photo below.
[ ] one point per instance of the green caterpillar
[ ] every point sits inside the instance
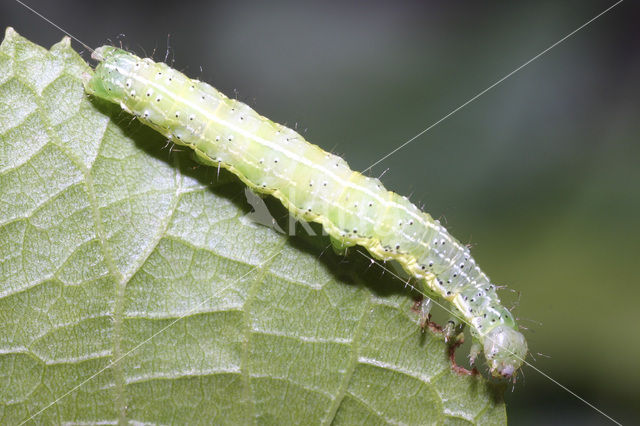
(314, 186)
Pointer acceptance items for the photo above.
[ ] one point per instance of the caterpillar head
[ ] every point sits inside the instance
(108, 80)
(504, 349)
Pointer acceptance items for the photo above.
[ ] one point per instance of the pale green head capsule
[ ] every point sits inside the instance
(504, 349)
(109, 80)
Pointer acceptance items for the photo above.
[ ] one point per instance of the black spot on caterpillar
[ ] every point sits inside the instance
(314, 186)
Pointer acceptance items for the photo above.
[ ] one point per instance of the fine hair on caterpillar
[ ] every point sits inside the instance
(314, 186)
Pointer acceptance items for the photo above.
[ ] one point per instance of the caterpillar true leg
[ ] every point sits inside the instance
(452, 329)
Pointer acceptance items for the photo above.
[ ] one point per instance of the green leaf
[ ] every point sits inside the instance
(114, 247)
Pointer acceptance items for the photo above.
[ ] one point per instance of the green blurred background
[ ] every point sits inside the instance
(540, 174)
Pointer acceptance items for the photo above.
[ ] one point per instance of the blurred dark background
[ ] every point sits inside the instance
(541, 174)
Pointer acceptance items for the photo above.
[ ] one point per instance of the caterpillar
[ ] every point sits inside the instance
(315, 186)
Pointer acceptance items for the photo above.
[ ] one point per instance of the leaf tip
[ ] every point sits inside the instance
(10, 33)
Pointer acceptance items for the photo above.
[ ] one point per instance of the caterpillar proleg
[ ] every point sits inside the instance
(314, 186)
